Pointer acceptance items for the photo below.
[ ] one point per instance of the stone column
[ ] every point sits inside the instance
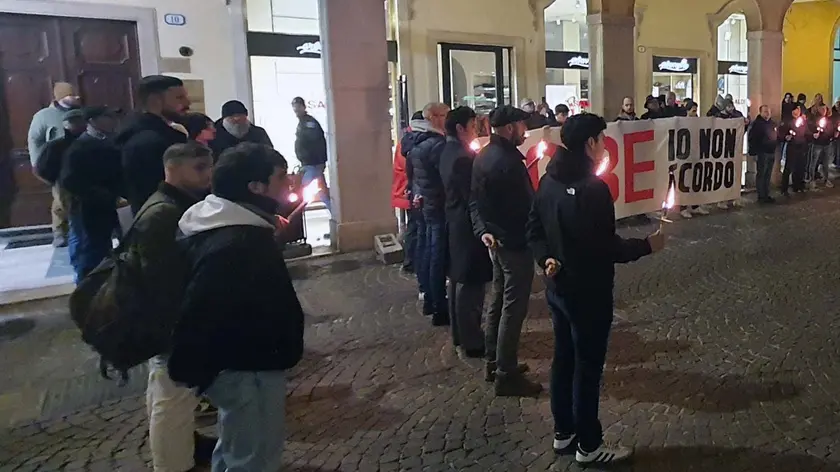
(355, 61)
(611, 62)
(764, 56)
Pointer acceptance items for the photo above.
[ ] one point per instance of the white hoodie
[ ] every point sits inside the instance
(215, 212)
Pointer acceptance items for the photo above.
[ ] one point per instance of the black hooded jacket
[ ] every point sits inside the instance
(142, 143)
(573, 221)
(225, 140)
(762, 137)
(422, 147)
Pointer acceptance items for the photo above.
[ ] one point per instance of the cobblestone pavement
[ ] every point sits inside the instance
(723, 358)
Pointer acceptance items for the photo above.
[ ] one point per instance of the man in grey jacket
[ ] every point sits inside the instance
(48, 124)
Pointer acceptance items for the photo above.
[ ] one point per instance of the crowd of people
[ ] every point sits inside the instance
(207, 269)
(475, 219)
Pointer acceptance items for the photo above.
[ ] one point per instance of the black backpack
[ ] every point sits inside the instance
(115, 311)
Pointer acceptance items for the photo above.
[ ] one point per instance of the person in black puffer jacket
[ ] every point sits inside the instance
(235, 127)
(422, 148)
(241, 323)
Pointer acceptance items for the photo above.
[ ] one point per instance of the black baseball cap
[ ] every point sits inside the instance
(74, 114)
(90, 113)
(507, 114)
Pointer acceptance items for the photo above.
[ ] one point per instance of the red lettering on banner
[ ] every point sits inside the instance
(609, 176)
(532, 161)
(631, 167)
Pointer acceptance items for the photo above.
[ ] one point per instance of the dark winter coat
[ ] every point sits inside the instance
(310, 142)
(469, 261)
(153, 240)
(762, 137)
(537, 121)
(573, 221)
(240, 311)
(225, 140)
(422, 147)
(49, 164)
(674, 110)
(142, 143)
(824, 137)
(799, 141)
(91, 173)
(502, 194)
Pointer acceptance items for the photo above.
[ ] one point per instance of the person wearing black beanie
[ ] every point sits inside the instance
(235, 127)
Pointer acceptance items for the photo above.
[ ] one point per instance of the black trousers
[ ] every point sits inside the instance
(796, 160)
(581, 333)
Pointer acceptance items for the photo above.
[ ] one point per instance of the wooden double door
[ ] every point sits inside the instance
(99, 57)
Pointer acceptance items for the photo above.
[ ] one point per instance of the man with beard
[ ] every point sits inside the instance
(628, 110)
(501, 195)
(470, 268)
(173, 441)
(144, 140)
(235, 127)
(91, 176)
(571, 230)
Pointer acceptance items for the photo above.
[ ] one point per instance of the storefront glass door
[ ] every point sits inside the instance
(476, 76)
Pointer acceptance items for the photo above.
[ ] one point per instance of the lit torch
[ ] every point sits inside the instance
(542, 149)
(798, 124)
(309, 193)
(670, 199)
(821, 126)
(475, 145)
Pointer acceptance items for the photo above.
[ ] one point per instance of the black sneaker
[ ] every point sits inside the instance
(565, 444)
(605, 454)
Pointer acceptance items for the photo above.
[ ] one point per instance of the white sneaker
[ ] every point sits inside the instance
(737, 203)
(421, 296)
(829, 184)
(812, 185)
(605, 454)
(701, 210)
(723, 206)
(564, 444)
(686, 213)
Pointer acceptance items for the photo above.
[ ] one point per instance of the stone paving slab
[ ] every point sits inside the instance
(723, 358)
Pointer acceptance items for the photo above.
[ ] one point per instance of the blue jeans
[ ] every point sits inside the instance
(436, 244)
(252, 420)
(410, 238)
(89, 241)
(421, 253)
(581, 333)
(316, 172)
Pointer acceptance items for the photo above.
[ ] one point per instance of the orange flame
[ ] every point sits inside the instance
(602, 167)
(293, 197)
(670, 199)
(475, 145)
(799, 122)
(822, 122)
(311, 191)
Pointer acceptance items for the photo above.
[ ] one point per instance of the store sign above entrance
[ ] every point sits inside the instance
(674, 64)
(732, 68)
(566, 60)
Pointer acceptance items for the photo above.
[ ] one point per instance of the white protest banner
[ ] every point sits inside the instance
(703, 155)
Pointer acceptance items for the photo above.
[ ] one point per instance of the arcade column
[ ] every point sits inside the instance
(611, 62)
(355, 61)
(764, 56)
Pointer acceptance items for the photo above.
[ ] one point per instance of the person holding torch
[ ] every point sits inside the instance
(795, 134)
(823, 133)
(571, 231)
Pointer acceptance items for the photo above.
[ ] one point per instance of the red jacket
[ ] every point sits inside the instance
(399, 187)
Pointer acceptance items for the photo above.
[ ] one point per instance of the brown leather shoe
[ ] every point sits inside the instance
(516, 385)
(490, 370)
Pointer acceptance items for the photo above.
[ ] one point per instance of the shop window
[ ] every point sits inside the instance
(732, 61)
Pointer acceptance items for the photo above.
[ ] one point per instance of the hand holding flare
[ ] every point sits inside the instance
(309, 193)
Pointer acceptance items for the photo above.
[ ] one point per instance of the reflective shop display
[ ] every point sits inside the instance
(675, 74)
